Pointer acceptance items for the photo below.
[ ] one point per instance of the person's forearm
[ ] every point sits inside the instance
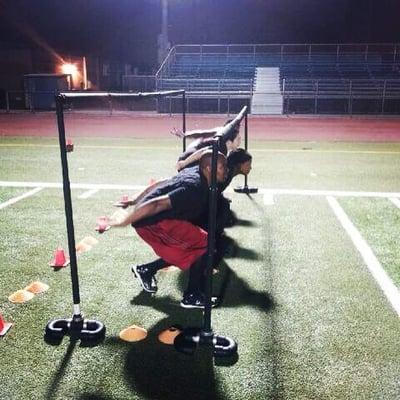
(201, 133)
(141, 195)
(191, 159)
(145, 210)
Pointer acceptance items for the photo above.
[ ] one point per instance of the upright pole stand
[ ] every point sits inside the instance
(245, 189)
(89, 332)
(191, 338)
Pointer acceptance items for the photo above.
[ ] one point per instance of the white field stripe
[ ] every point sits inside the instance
(268, 199)
(389, 289)
(88, 194)
(23, 196)
(274, 192)
(395, 201)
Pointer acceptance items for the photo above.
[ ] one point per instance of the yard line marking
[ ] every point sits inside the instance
(395, 201)
(18, 198)
(381, 277)
(88, 194)
(274, 192)
(268, 199)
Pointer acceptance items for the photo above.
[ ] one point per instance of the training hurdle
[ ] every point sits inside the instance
(90, 332)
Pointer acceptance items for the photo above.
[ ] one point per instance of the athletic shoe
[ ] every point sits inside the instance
(146, 278)
(196, 300)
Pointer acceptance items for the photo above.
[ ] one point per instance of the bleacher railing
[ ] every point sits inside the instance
(339, 52)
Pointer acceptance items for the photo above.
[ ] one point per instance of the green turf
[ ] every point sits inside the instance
(309, 319)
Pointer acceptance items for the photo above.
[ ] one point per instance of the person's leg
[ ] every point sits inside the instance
(146, 274)
(193, 296)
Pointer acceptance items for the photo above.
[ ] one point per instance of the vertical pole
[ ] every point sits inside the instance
(184, 119)
(7, 101)
(207, 331)
(68, 205)
(84, 68)
(246, 138)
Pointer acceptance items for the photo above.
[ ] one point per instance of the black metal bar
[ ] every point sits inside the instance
(207, 330)
(184, 119)
(67, 199)
(245, 140)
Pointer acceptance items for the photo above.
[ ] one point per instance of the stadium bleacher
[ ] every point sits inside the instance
(306, 72)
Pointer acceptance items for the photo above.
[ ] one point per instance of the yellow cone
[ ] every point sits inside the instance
(37, 287)
(168, 336)
(133, 333)
(20, 296)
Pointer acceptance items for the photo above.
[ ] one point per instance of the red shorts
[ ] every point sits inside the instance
(177, 242)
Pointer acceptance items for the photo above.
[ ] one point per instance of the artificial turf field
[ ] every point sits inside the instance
(310, 320)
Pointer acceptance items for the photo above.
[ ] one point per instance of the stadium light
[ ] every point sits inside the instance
(69, 69)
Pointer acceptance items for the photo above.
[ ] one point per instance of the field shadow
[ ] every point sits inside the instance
(158, 371)
(59, 373)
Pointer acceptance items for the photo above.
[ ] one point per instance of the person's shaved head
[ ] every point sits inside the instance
(205, 166)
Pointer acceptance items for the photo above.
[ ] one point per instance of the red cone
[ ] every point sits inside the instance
(4, 326)
(60, 260)
(69, 146)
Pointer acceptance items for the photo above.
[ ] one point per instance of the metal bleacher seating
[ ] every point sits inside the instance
(304, 71)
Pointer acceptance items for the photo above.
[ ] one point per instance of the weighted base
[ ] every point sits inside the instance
(190, 338)
(89, 332)
(245, 189)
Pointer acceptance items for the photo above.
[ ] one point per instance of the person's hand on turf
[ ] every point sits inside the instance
(103, 224)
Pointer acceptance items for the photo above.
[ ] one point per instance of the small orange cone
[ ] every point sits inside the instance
(168, 336)
(37, 287)
(60, 260)
(69, 146)
(20, 296)
(4, 326)
(133, 333)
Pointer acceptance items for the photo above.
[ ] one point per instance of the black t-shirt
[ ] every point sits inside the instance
(188, 192)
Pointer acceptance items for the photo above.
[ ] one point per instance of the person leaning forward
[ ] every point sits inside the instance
(165, 219)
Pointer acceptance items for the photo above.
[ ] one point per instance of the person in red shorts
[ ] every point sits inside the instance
(165, 219)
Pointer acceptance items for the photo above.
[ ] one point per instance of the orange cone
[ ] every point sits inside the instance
(168, 336)
(37, 287)
(20, 296)
(133, 333)
(4, 326)
(69, 146)
(60, 260)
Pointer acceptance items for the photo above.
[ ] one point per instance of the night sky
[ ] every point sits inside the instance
(126, 30)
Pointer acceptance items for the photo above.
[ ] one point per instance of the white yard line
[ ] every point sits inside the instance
(268, 199)
(88, 194)
(18, 198)
(273, 192)
(381, 277)
(395, 201)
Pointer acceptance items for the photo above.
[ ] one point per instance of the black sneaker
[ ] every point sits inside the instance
(146, 278)
(196, 300)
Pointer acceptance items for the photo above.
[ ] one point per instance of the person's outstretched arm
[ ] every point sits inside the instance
(181, 164)
(144, 210)
(196, 133)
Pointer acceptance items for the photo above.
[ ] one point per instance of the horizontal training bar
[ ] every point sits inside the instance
(71, 95)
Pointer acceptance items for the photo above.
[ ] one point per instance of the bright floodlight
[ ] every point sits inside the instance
(69, 69)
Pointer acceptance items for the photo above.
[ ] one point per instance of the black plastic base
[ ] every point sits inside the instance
(89, 332)
(188, 341)
(245, 189)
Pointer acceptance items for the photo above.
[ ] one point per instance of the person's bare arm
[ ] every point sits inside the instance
(196, 133)
(144, 210)
(148, 189)
(192, 158)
